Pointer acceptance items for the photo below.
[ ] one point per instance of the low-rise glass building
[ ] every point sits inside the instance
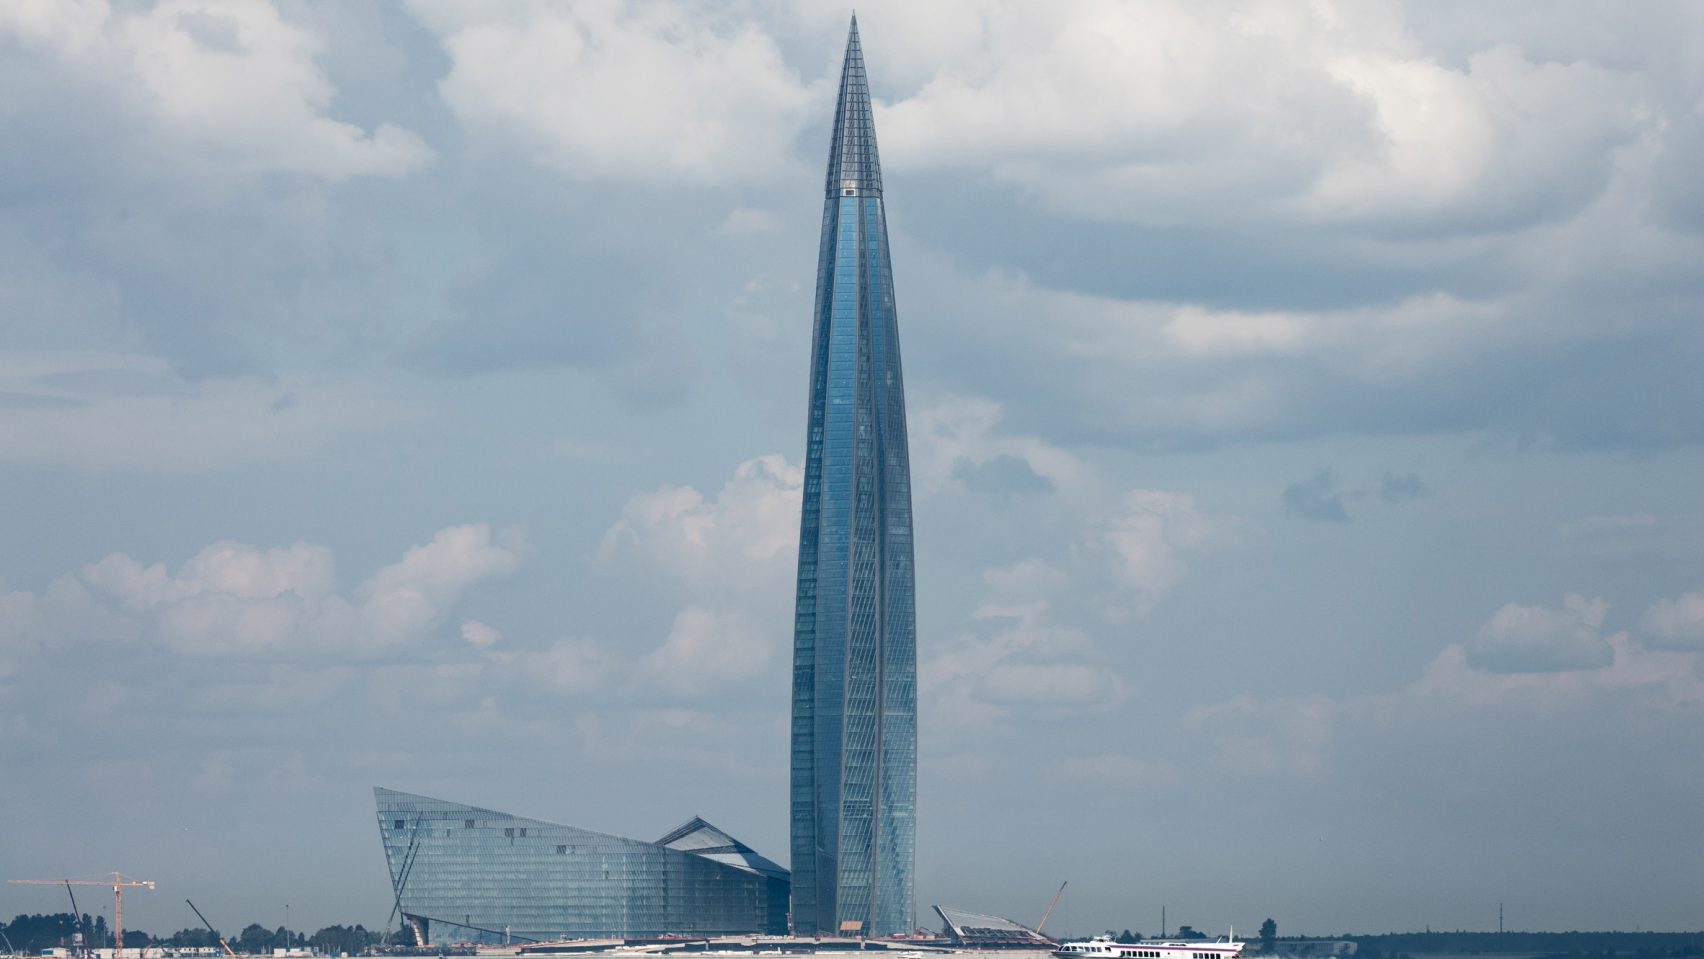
(462, 873)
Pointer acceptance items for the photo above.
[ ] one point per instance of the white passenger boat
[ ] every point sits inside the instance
(1103, 947)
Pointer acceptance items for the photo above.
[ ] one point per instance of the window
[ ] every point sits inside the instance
(396, 824)
(467, 824)
(523, 832)
(510, 832)
(562, 850)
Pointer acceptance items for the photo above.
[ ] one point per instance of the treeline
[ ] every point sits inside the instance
(34, 933)
(1582, 944)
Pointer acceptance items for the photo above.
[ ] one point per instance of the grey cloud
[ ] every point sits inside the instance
(35, 401)
(185, 227)
(112, 411)
(1401, 487)
(1003, 475)
(1350, 155)
(1523, 367)
(1316, 498)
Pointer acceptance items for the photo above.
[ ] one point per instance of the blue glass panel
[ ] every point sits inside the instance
(462, 873)
(854, 742)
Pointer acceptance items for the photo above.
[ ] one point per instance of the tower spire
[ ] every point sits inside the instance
(852, 160)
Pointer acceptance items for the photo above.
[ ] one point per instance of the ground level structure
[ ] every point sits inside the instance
(465, 874)
(975, 930)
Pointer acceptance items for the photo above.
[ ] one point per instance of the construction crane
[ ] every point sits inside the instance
(80, 943)
(222, 943)
(1050, 906)
(118, 884)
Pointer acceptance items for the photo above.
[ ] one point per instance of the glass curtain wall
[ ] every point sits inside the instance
(854, 742)
(476, 875)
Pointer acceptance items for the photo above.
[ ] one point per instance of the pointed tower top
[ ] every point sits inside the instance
(853, 166)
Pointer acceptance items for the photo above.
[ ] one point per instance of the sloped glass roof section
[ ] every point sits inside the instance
(702, 839)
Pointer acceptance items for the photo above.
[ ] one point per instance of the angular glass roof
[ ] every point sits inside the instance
(700, 838)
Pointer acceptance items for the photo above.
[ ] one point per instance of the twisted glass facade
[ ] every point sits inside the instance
(854, 741)
(462, 873)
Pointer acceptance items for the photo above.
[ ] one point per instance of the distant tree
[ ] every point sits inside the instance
(1188, 932)
(1127, 936)
(1268, 936)
(32, 933)
(337, 940)
(191, 939)
(254, 940)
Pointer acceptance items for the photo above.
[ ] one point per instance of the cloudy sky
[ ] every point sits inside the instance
(1305, 413)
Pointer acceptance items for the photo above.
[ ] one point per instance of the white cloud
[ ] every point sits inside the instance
(657, 92)
(706, 648)
(225, 85)
(1017, 656)
(567, 665)
(734, 557)
(751, 528)
(237, 601)
(72, 25)
(1509, 136)
(407, 597)
(227, 568)
(1147, 537)
(1150, 111)
(1676, 623)
(1538, 639)
(479, 635)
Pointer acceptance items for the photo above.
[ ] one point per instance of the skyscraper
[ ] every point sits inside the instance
(854, 746)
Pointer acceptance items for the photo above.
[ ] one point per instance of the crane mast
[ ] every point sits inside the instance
(1050, 906)
(81, 943)
(222, 943)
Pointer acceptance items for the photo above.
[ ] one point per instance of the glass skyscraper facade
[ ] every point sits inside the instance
(854, 740)
(465, 874)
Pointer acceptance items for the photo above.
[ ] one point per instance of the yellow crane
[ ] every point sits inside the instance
(118, 882)
(222, 943)
(1050, 906)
